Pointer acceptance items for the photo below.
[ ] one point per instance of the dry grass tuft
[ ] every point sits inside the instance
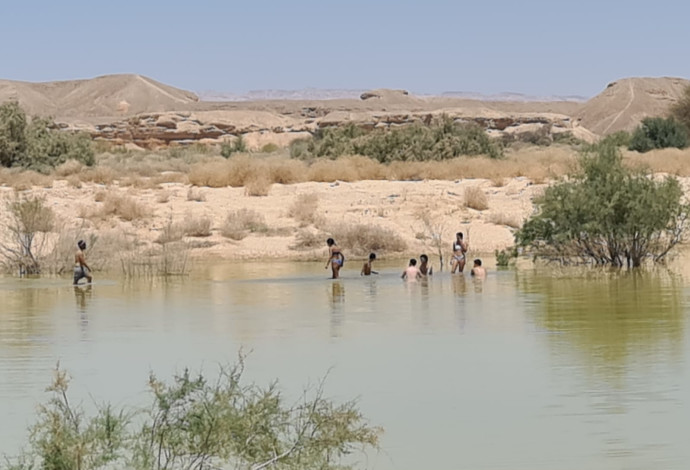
(74, 181)
(196, 227)
(163, 197)
(123, 207)
(258, 185)
(69, 168)
(503, 218)
(362, 239)
(25, 180)
(100, 196)
(241, 223)
(303, 209)
(196, 195)
(476, 199)
(307, 240)
(99, 175)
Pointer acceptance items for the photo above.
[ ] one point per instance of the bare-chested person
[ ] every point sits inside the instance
(424, 267)
(412, 272)
(366, 269)
(336, 259)
(477, 270)
(459, 251)
(81, 269)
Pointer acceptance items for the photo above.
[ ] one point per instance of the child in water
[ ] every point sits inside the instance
(477, 270)
(424, 267)
(366, 269)
(335, 258)
(412, 272)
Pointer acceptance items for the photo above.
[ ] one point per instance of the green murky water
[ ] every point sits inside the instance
(528, 369)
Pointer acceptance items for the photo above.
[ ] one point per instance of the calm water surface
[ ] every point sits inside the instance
(529, 369)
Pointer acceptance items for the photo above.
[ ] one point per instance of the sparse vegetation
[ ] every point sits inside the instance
(238, 224)
(196, 226)
(304, 208)
(681, 110)
(443, 139)
(362, 239)
(237, 145)
(476, 199)
(35, 144)
(124, 207)
(505, 218)
(29, 222)
(607, 215)
(659, 133)
(258, 185)
(506, 257)
(197, 422)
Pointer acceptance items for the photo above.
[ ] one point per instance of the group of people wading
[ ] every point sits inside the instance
(336, 260)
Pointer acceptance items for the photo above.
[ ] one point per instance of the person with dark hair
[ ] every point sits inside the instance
(459, 251)
(412, 272)
(424, 267)
(335, 258)
(366, 269)
(81, 269)
(477, 270)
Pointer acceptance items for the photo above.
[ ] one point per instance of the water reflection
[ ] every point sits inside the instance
(336, 300)
(615, 319)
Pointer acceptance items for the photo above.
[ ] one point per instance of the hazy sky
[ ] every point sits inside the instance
(488, 46)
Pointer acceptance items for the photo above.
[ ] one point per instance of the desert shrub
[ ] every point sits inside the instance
(441, 140)
(618, 139)
(362, 239)
(270, 148)
(304, 207)
(505, 218)
(196, 226)
(259, 184)
(240, 223)
(505, 257)
(123, 207)
(607, 214)
(659, 133)
(195, 195)
(307, 240)
(476, 199)
(681, 110)
(29, 220)
(36, 144)
(238, 145)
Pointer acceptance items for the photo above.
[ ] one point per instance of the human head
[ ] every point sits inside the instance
(423, 258)
(372, 256)
(413, 262)
(477, 262)
(81, 244)
(459, 235)
(330, 242)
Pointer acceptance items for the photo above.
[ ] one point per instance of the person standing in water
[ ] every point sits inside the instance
(459, 251)
(81, 269)
(412, 272)
(477, 270)
(366, 269)
(424, 267)
(335, 258)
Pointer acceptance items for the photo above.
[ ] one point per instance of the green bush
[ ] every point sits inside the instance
(659, 133)
(36, 144)
(607, 214)
(681, 110)
(236, 146)
(505, 257)
(441, 140)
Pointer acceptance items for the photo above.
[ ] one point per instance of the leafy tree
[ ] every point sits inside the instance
(659, 133)
(607, 214)
(35, 144)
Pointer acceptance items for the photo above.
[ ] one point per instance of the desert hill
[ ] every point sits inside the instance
(106, 96)
(624, 103)
(136, 109)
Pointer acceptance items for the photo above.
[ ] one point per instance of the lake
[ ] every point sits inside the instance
(535, 368)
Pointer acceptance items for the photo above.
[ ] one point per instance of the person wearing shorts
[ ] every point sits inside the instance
(81, 268)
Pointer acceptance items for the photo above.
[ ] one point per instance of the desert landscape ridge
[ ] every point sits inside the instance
(139, 111)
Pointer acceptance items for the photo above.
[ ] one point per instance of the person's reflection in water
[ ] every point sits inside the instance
(82, 295)
(460, 290)
(424, 286)
(336, 296)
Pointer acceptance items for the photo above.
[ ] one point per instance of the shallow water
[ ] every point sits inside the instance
(528, 369)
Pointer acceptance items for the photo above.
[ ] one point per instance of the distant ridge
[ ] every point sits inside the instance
(510, 96)
(624, 103)
(109, 95)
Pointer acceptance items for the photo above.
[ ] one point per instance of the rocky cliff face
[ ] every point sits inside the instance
(258, 128)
